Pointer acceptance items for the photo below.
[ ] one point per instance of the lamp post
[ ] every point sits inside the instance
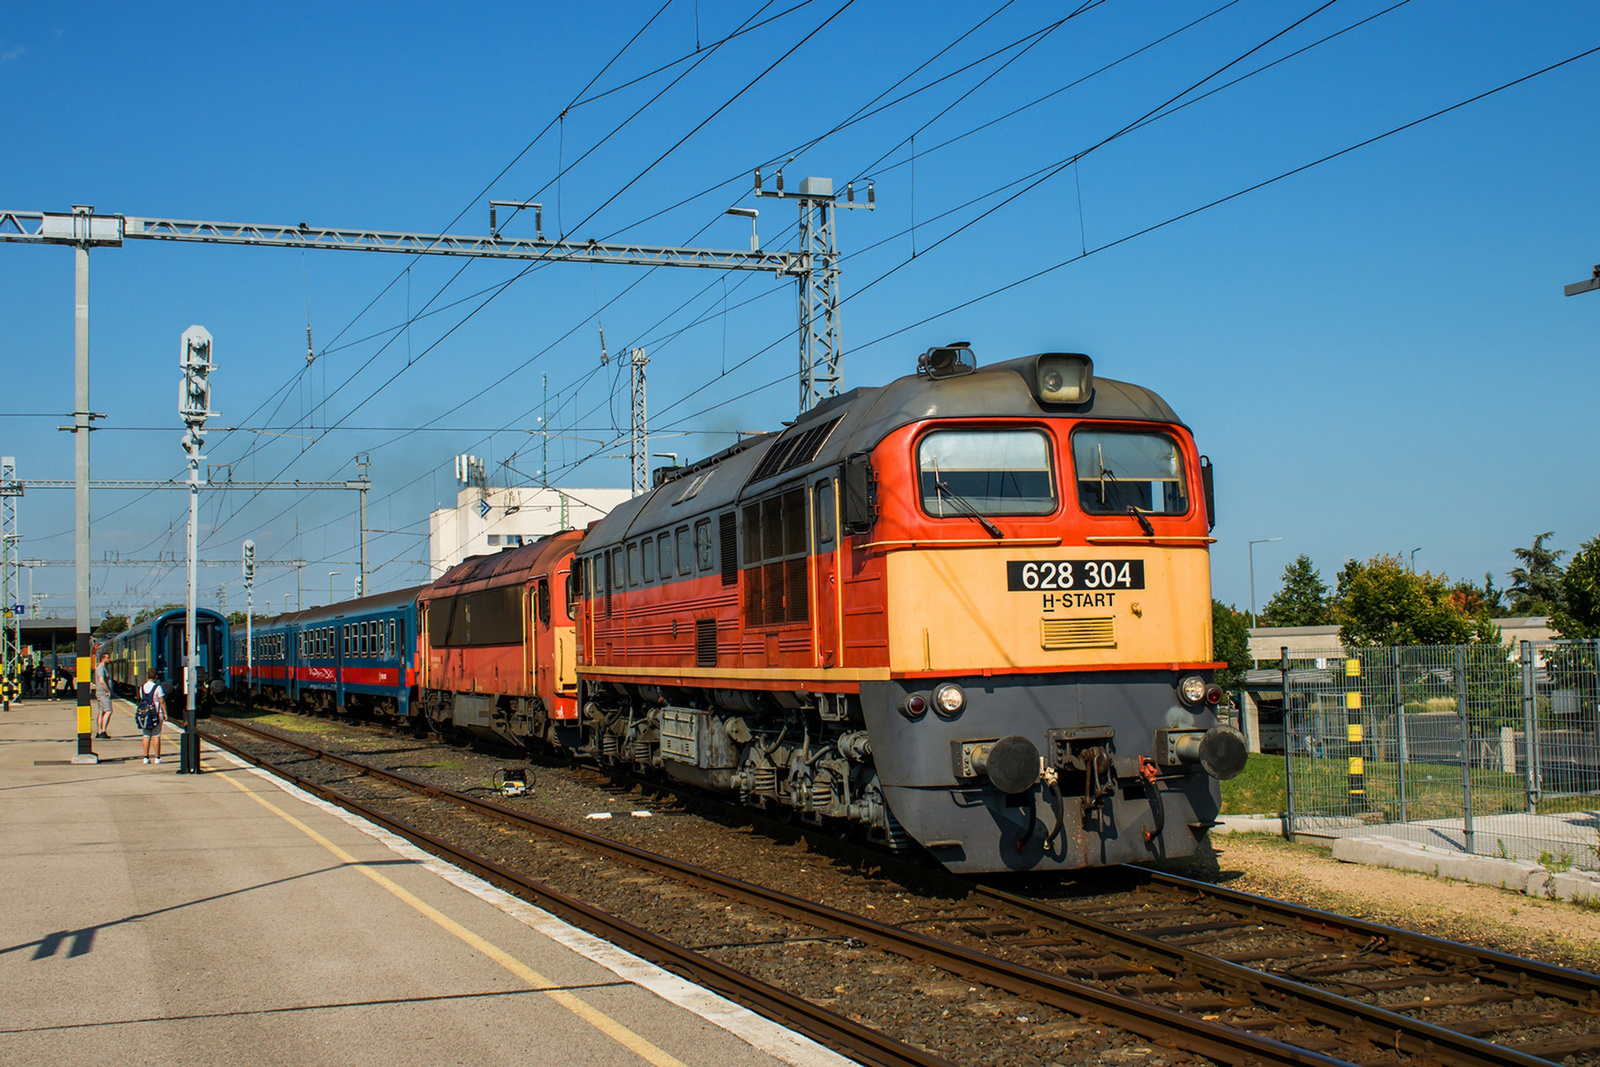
(331, 576)
(1253, 544)
(1414, 552)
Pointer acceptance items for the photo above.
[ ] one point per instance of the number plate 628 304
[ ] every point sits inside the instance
(1074, 574)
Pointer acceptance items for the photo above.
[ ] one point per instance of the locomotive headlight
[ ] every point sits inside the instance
(1064, 378)
(948, 699)
(1192, 690)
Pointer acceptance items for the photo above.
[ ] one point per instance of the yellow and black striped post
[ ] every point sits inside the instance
(85, 712)
(1357, 780)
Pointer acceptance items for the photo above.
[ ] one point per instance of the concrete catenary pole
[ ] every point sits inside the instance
(80, 435)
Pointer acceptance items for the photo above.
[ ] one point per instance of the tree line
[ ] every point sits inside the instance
(1382, 602)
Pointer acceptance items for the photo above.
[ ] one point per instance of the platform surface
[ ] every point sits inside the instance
(221, 918)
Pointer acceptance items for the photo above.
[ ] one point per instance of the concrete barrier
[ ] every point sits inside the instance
(1528, 878)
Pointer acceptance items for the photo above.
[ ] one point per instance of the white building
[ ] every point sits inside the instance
(491, 520)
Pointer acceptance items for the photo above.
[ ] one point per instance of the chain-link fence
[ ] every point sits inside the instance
(1480, 748)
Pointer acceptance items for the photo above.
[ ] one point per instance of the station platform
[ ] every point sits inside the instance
(230, 918)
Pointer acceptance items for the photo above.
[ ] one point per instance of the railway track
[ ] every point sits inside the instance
(1179, 1032)
(1172, 953)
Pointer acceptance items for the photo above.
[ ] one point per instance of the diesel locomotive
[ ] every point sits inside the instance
(968, 610)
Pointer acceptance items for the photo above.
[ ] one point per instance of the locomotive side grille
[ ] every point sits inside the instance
(794, 450)
(1057, 635)
(728, 534)
(705, 642)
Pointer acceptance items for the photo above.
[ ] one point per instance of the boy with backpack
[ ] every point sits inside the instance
(151, 715)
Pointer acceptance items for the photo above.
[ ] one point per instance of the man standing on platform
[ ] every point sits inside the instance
(151, 716)
(102, 694)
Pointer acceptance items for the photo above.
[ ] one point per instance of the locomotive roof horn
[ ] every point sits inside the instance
(947, 361)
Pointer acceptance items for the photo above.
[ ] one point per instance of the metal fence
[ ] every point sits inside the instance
(1480, 748)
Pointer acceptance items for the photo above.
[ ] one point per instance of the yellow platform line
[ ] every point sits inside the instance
(588, 1013)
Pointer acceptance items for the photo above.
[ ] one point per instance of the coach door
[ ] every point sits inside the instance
(824, 556)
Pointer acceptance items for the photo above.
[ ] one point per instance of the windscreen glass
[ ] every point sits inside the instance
(992, 472)
(1116, 471)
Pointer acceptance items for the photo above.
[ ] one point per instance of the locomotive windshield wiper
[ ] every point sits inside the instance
(967, 506)
(1133, 509)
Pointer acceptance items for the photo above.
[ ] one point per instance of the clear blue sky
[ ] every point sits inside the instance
(1375, 352)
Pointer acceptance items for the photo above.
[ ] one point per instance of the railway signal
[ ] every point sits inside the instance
(249, 569)
(194, 408)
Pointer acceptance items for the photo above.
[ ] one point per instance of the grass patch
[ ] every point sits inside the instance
(1256, 790)
(293, 723)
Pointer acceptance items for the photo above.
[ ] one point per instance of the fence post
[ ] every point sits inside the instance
(1400, 731)
(1288, 746)
(1356, 778)
(1530, 727)
(1466, 747)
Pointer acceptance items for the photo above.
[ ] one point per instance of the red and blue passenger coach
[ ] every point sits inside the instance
(971, 608)
(358, 655)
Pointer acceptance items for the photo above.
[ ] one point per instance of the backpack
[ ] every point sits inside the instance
(145, 715)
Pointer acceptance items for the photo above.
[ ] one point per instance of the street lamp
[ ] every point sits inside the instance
(1253, 544)
(1588, 285)
(331, 576)
(1414, 552)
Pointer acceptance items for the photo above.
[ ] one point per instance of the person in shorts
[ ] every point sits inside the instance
(102, 694)
(153, 705)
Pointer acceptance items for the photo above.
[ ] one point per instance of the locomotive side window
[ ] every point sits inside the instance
(702, 544)
(633, 563)
(649, 559)
(1119, 470)
(668, 564)
(685, 551)
(992, 472)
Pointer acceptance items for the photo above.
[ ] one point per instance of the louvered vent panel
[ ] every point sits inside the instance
(705, 642)
(795, 449)
(1059, 635)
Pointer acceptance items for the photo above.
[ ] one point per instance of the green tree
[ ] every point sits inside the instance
(1473, 599)
(1303, 599)
(150, 613)
(1230, 642)
(1579, 613)
(111, 624)
(1536, 585)
(1381, 602)
(236, 618)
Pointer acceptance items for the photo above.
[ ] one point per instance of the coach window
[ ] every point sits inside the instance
(344, 640)
(1118, 470)
(992, 472)
(685, 551)
(825, 516)
(702, 544)
(394, 649)
(649, 559)
(633, 563)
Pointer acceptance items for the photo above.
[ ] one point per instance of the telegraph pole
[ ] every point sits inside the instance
(194, 407)
(638, 439)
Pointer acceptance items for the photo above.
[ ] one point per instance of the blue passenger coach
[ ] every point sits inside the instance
(358, 655)
(157, 644)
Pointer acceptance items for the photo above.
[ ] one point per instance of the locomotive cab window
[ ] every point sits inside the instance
(992, 472)
(1118, 470)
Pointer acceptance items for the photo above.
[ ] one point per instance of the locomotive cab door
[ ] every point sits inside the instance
(543, 645)
(563, 655)
(824, 570)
